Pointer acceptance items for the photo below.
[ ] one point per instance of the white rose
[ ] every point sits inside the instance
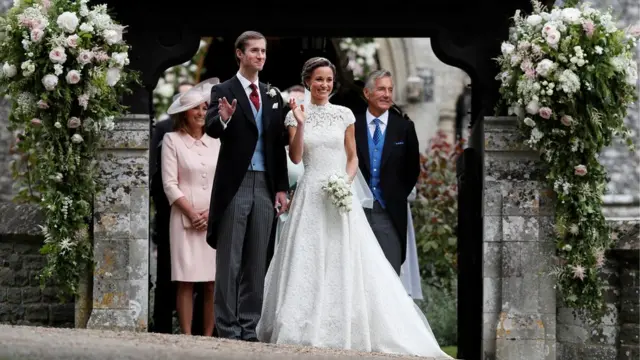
(272, 92)
(58, 55)
(632, 73)
(73, 77)
(571, 15)
(74, 123)
(86, 28)
(77, 138)
(9, 70)
(113, 76)
(529, 122)
(50, 81)
(121, 58)
(545, 67)
(333, 178)
(534, 20)
(507, 48)
(553, 37)
(533, 107)
(68, 21)
(58, 69)
(28, 68)
(112, 36)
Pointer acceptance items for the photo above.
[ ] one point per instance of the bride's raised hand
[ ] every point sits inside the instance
(298, 111)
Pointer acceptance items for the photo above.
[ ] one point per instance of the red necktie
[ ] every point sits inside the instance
(254, 97)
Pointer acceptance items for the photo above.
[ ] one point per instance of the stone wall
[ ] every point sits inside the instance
(617, 337)
(519, 308)
(7, 140)
(22, 300)
(523, 319)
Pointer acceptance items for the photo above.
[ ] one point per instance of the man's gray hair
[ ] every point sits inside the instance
(374, 76)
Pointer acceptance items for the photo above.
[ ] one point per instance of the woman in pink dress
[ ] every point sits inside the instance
(189, 158)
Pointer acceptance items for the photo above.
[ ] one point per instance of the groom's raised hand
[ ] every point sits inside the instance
(226, 110)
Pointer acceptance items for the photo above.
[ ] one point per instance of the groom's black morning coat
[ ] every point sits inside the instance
(400, 167)
(238, 142)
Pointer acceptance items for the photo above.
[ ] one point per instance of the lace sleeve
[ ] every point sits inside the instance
(348, 116)
(290, 120)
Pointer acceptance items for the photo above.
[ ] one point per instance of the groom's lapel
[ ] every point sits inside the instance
(243, 99)
(267, 103)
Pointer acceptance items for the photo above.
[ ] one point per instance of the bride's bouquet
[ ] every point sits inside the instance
(339, 190)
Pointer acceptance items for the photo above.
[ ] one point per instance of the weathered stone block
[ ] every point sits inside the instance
(521, 349)
(489, 325)
(31, 295)
(36, 313)
(492, 204)
(629, 352)
(572, 334)
(526, 198)
(126, 139)
(568, 351)
(492, 229)
(111, 259)
(62, 314)
(511, 259)
(491, 260)
(14, 295)
(492, 292)
(499, 166)
(111, 226)
(520, 228)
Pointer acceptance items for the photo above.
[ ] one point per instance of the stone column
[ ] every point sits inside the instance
(121, 229)
(519, 310)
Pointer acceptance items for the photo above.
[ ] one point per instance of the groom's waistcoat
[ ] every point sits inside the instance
(257, 160)
(375, 156)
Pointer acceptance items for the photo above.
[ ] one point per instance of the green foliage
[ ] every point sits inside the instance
(435, 213)
(569, 76)
(440, 308)
(63, 65)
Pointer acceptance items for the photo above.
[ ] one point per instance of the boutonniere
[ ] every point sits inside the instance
(272, 90)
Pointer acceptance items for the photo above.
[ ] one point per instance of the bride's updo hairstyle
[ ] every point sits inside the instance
(316, 62)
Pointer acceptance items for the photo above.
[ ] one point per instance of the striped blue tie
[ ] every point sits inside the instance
(377, 134)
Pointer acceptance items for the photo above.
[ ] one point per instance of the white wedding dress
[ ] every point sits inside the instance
(329, 283)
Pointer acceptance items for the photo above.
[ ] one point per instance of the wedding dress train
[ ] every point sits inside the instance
(329, 283)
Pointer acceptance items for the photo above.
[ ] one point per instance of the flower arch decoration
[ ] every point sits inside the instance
(64, 67)
(569, 75)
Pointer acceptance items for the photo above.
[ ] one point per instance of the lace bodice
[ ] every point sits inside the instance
(324, 153)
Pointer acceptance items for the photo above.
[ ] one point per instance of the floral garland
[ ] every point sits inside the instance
(569, 76)
(173, 76)
(63, 64)
(361, 53)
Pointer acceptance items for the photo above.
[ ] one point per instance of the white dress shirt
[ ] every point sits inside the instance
(247, 89)
(384, 118)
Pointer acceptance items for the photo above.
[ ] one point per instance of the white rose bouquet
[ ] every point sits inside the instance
(64, 65)
(569, 75)
(339, 190)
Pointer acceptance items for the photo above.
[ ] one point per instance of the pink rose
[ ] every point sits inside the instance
(545, 112)
(36, 122)
(588, 27)
(634, 31)
(43, 104)
(74, 123)
(85, 57)
(57, 55)
(101, 56)
(566, 120)
(580, 170)
(36, 35)
(73, 77)
(72, 41)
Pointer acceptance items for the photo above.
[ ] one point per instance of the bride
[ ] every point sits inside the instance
(329, 283)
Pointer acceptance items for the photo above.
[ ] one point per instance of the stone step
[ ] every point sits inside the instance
(30, 342)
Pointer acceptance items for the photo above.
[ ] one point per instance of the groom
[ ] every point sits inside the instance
(249, 188)
(389, 154)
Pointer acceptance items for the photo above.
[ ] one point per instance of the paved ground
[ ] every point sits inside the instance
(28, 342)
